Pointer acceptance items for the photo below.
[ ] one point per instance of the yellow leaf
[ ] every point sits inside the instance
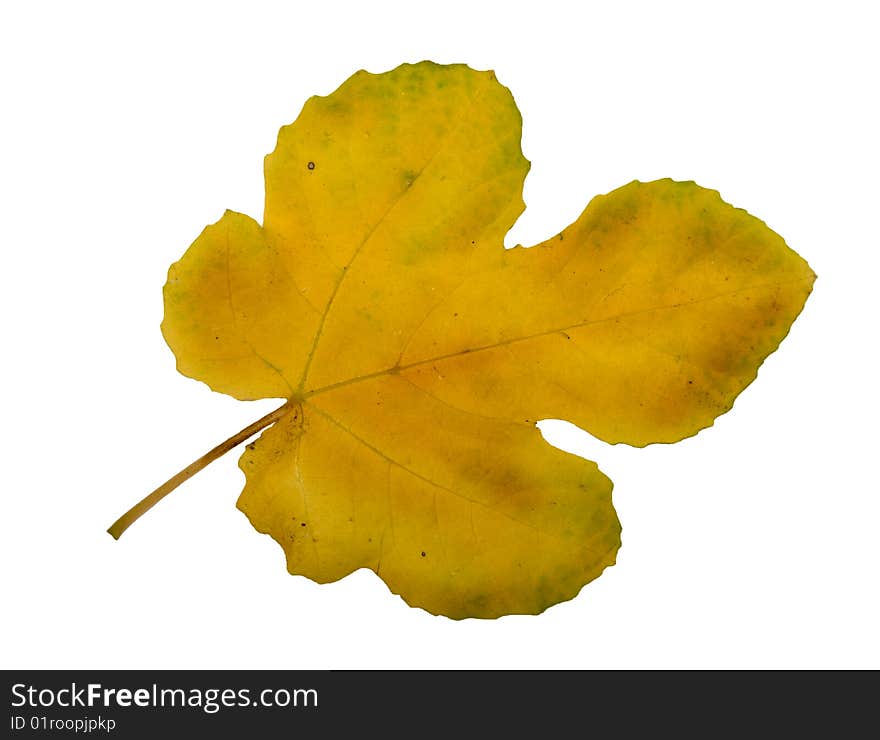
(416, 353)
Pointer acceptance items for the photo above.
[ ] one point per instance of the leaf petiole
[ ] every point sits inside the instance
(147, 503)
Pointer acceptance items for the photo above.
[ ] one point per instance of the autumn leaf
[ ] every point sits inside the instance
(415, 353)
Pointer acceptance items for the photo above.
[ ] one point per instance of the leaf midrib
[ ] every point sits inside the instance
(397, 369)
(449, 135)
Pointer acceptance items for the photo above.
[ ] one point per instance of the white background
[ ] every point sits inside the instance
(125, 131)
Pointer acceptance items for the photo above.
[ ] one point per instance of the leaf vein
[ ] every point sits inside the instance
(556, 330)
(400, 197)
(235, 323)
(419, 476)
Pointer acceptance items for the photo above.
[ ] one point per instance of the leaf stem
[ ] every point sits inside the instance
(143, 506)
